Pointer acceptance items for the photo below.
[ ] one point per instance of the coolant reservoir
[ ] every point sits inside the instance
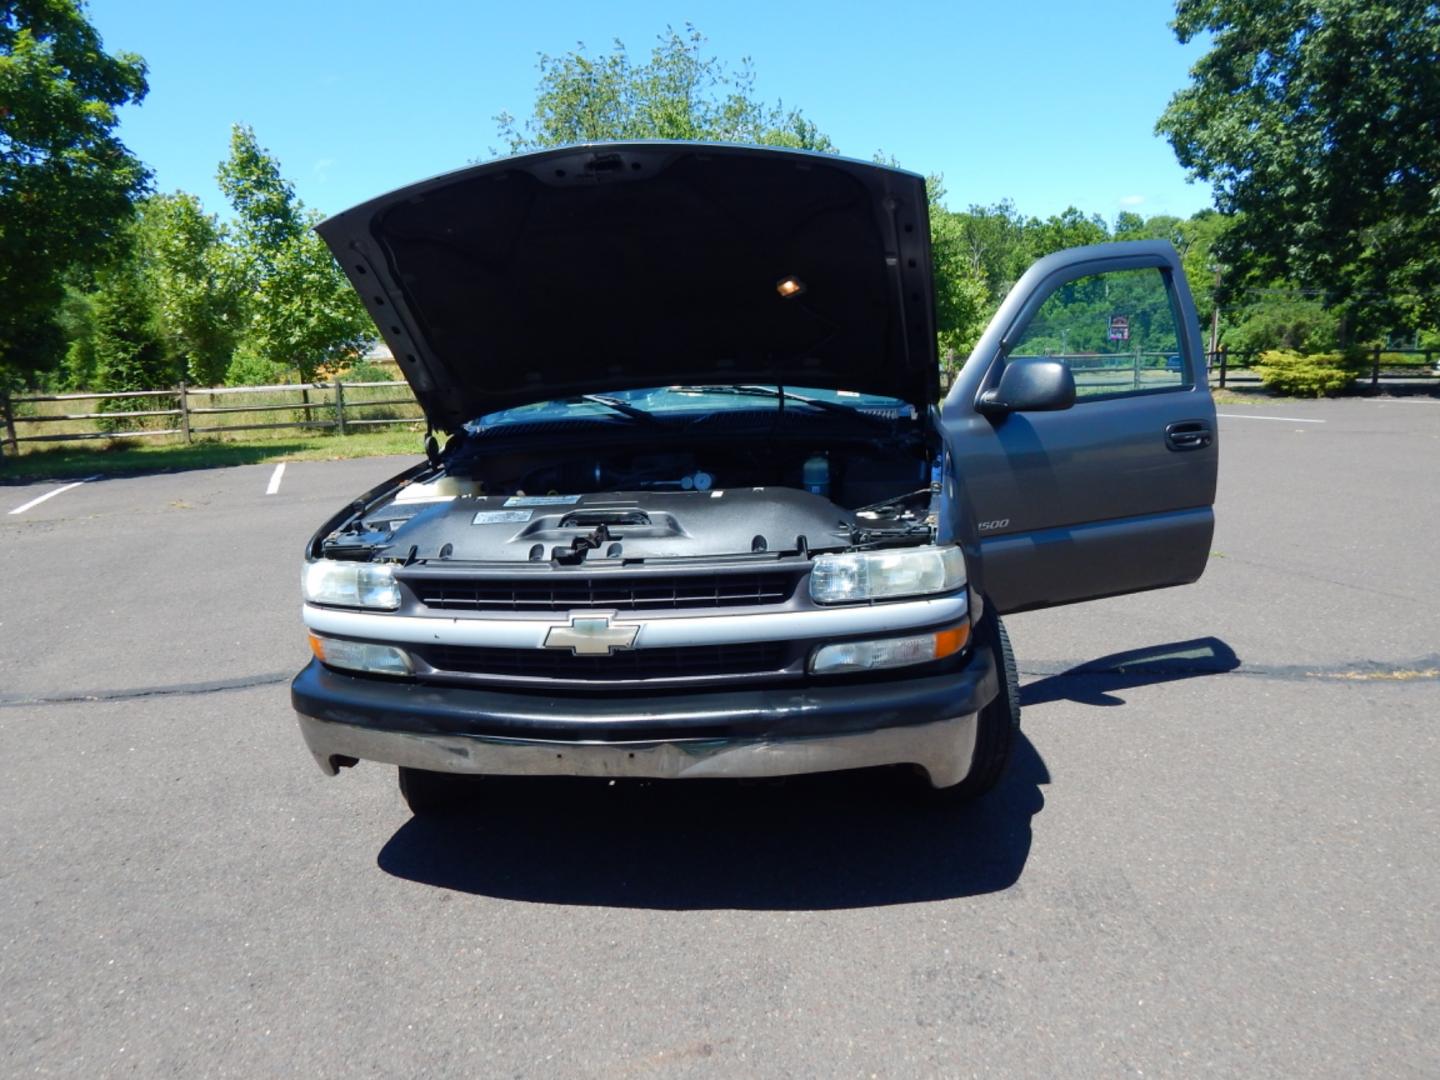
(816, 475)
(446, 487)
(458, 485)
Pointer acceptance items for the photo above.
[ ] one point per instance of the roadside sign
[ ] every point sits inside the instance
(1119, 328)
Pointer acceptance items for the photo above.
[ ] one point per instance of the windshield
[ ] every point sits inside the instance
(662, 401)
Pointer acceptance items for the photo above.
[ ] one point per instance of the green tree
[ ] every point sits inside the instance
(268, 215)
(961, 298)
(76, 320)
(1281, 317)
(298, 309)
(1130, 226)
(197, 293)
(1315, 123)
(67, 183)
(1067, 229)
(995, 247)
(304, 313)
(680, 92)
(129, 352)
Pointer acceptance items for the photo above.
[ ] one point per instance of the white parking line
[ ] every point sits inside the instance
(275, 479)
(1282, 419)
(51, 494)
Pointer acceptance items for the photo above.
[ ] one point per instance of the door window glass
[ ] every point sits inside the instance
(1116, 331)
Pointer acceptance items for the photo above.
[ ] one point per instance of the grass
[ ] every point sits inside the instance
(315, 405)
(1237, 397)
(120, 456)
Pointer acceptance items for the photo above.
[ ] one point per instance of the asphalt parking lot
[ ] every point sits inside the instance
(1216, 851)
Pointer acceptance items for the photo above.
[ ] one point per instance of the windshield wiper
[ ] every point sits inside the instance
(780, 394)
(622, 407)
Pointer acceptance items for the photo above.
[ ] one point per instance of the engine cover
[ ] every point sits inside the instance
(621, 525)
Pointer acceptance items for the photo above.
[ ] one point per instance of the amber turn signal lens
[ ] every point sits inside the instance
(361, 656)
(885, 653)
(949, 642)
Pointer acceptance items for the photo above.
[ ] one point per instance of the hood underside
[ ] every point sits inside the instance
(618, 266)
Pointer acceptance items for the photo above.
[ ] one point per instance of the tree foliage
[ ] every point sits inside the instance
(298, 308)
(67, 183)
(187, 296)
(994, 245)
(1281, 318)
(1317, 122)
(679, 92)
(268, 215)
(961, 298)
(76, 321)
(303, 313)
(183, 252)
(129, 352)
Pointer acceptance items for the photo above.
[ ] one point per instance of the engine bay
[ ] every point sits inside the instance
(630, 503)
(851, 475)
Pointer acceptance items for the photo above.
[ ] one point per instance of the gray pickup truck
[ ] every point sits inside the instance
(701, 509)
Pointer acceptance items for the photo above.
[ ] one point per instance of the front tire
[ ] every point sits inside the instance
(435, 794)
(996, 726)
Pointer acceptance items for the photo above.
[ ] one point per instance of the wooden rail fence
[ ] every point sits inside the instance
(1381, 365)
(336, 409)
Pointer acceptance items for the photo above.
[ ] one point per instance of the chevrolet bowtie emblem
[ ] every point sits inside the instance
(591, 635)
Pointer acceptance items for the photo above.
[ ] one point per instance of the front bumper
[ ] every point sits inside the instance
(777, 731)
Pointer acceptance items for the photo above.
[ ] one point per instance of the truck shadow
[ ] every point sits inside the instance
(1097, 682)
(809, 843)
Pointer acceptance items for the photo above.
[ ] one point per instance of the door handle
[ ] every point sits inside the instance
(1188, 435)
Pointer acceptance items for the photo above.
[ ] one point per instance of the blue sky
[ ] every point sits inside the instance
(1047, 103)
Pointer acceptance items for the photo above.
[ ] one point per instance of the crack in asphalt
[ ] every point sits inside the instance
(176, 690)
(1294, 571)
(1425, 669)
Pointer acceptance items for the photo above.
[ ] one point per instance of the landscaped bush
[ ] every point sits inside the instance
(1316, 375)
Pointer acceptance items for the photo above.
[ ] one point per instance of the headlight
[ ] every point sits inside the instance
(877, 575)
(361, 656)
(888, 652)
(350, 584)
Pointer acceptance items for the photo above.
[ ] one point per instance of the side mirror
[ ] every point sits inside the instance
(1030, 384)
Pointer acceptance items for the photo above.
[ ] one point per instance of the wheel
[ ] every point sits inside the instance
(434, 794)
(996, 727)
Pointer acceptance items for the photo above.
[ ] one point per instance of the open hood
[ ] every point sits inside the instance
(625, 265)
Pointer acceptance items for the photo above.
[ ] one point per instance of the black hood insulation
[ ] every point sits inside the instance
(621, 266)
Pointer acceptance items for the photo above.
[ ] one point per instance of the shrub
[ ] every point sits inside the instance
(128, 353)
(1298, 375)
(366, 371)
(250, 369)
